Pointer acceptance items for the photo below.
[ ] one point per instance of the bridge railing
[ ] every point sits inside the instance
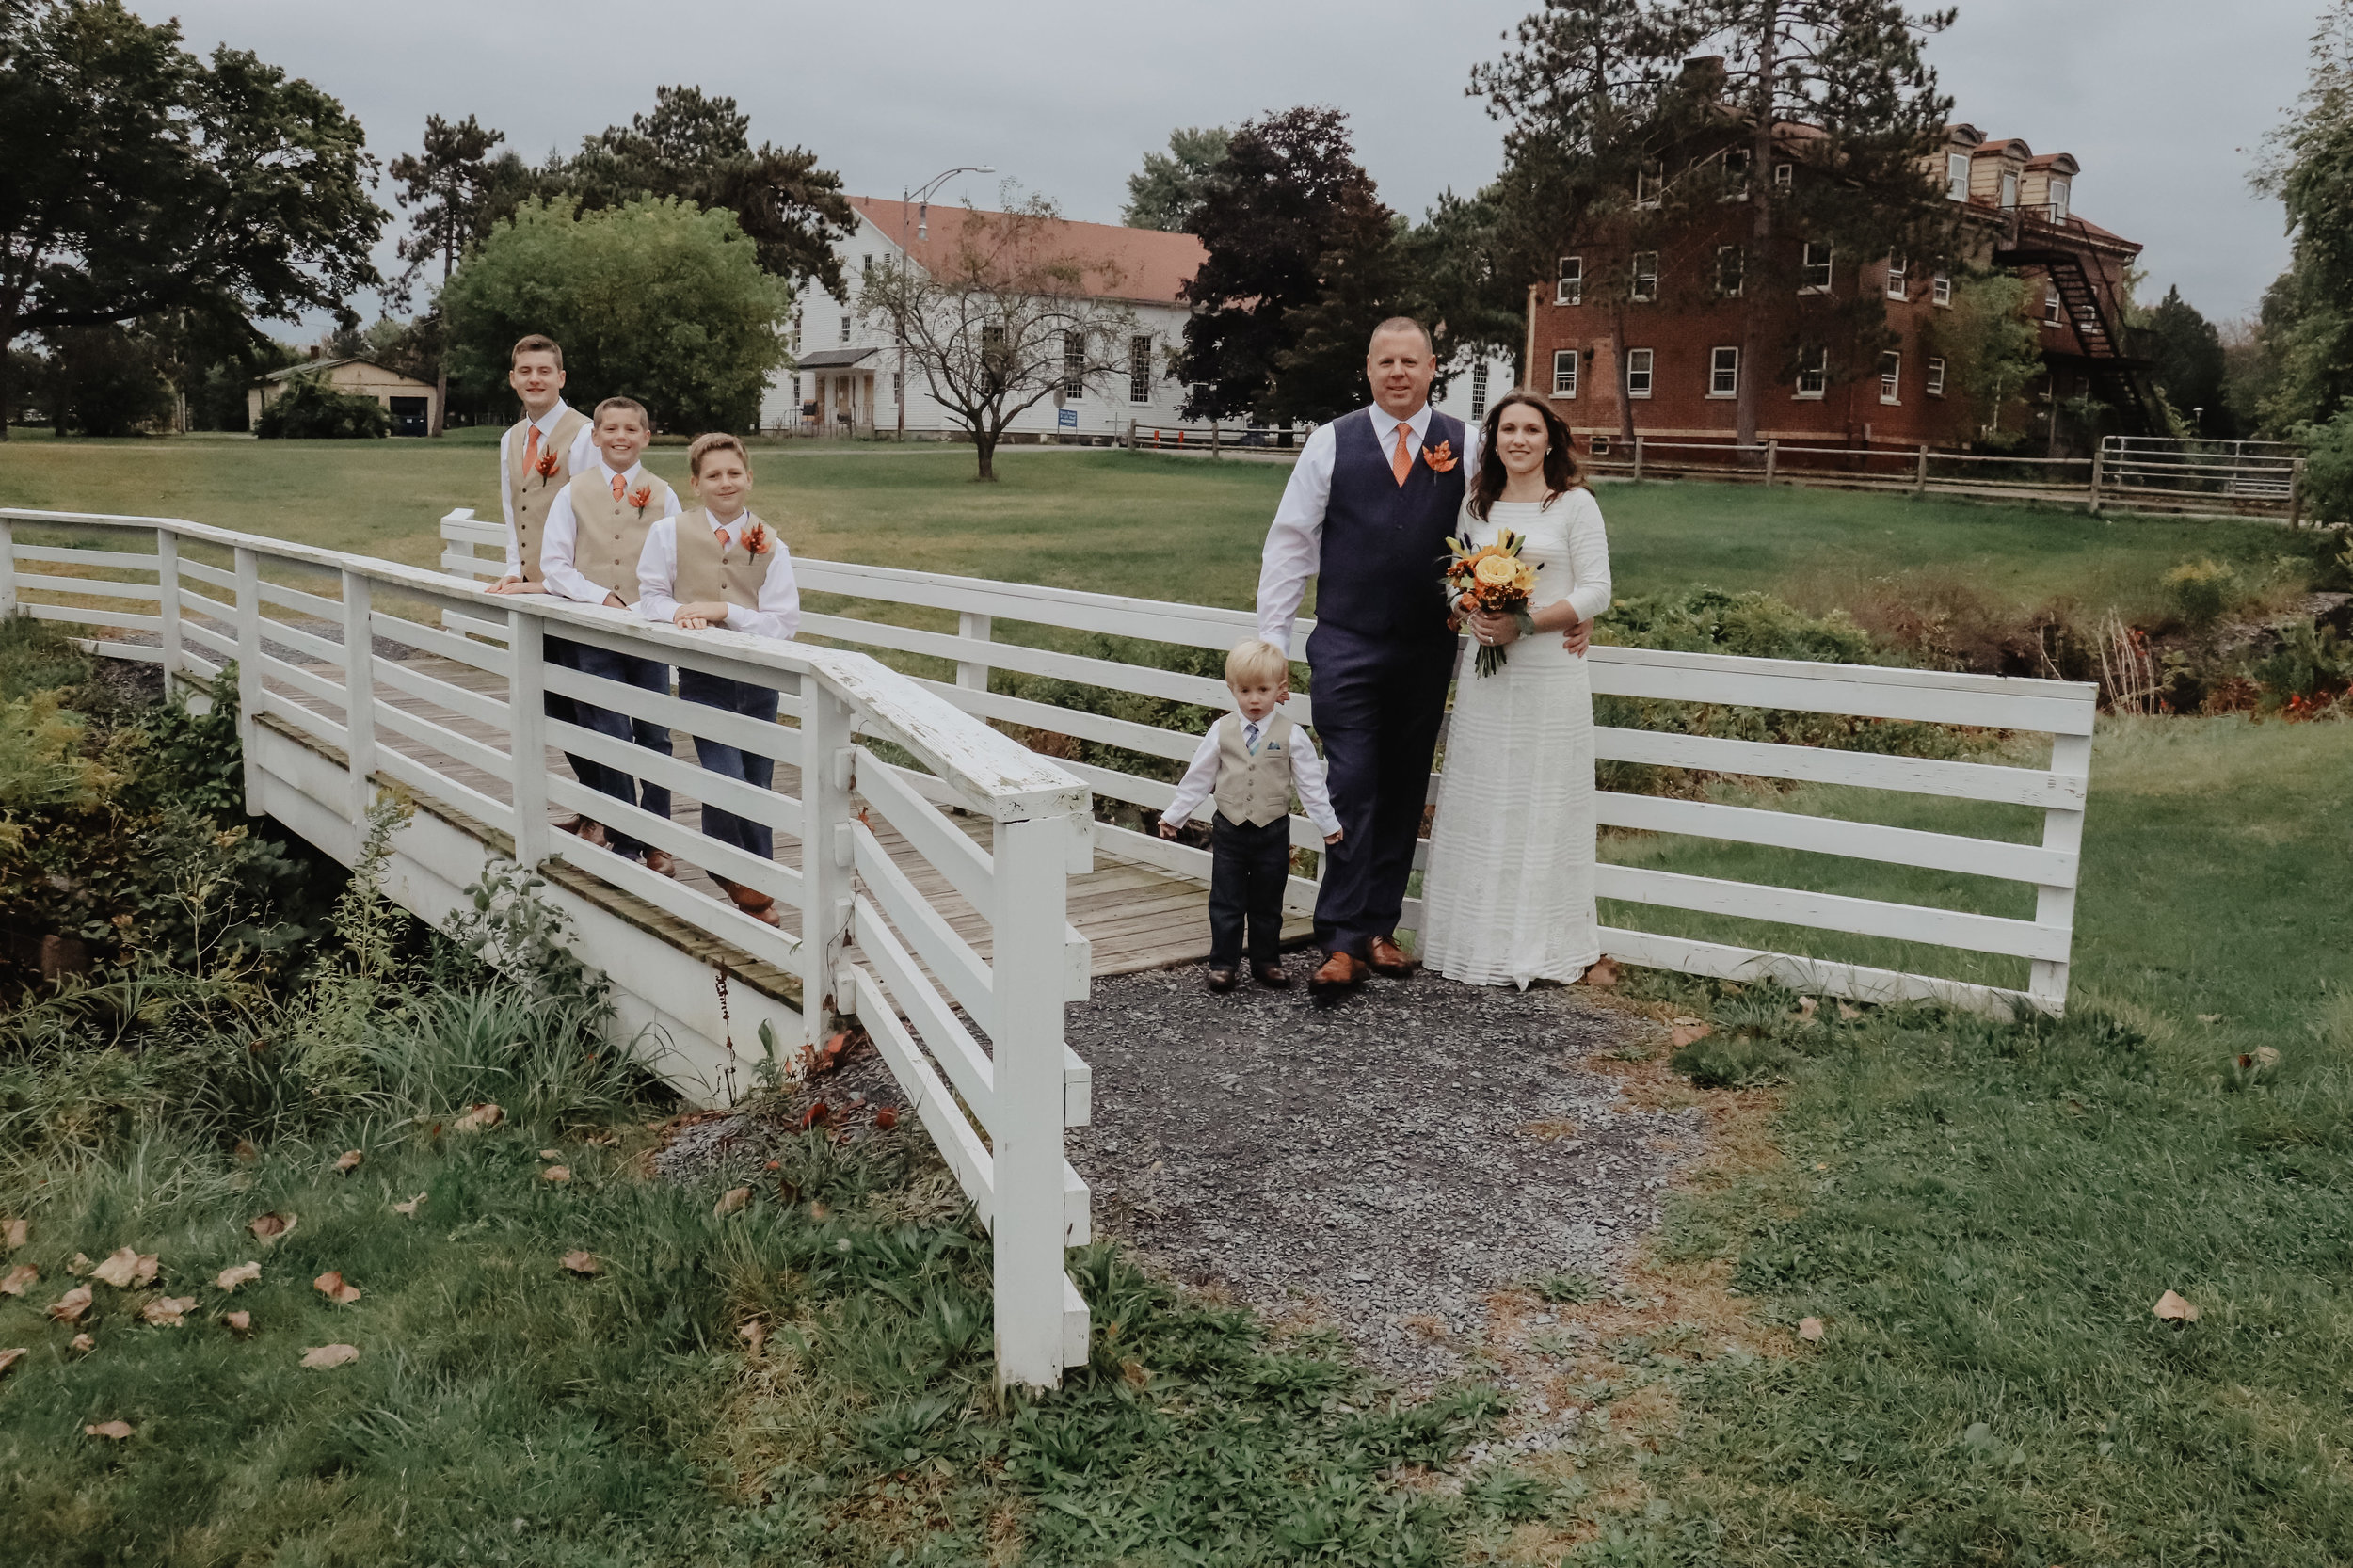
(955, 953)
(1801, 851)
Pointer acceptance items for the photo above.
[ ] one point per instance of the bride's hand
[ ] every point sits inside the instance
(1494, 630)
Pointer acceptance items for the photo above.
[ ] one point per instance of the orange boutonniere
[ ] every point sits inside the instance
(1440, 457)
(641, 497)
(756, 539)
(547, 465)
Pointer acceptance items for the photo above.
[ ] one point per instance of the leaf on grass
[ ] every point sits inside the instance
(275, 1226)
(83, 1344)
(733, 1199)
(246, 1153)
(115, 1430)
(603, 1137)
(1808, 1006)
(15, 1233)
(9, 1358)
(14, 1282)
(582, 1262)
(826, 1057)
(2173, 1309)
(886, 1119)
(80, 1266)
(348, 1162)
(331, 1286)
(244, 1274)
(320, 1357)
(69, 1307)
(240, 1323)
(754, 1334)
(124, 1267)
(1810, 1330)
(411, 1206)
(166, 1311)
(1601, 974)
(551, 1154)
(1849, 1012)
(815, 1113)
(2262, 1056)
(483, 1116)
(2209, 1017)
(1686, 1035)
(558, 1173)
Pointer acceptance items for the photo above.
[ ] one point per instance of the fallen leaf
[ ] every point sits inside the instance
(15, 1233)
(239, 1322)
(14, 1282)
(731, 1200)
(556, 1173)
(886, 1119)
(320, 1357)
(582, 1262)
(551, 1154)
(483, 1116)
(116, 1430)
(1810, 1330)
(411, 1206)
(2174, 1310)
(124, 1267)
(274, 1226)
(348, 1162)
(69, 1307)
(754, 1334)
(1601, 974)
(815, 1113)
(1689, 1034)
(603, 1137)
(2266, 1056)
(246, 1152)
(331, 1286)
(164, 1311)
(1848, 1013)
(826, 1057)
(9, 1358)
(80, 1266)
(817, 1209)
(1808, 1006)
(244, 1274)
(2209, 1017)
(83, 1344)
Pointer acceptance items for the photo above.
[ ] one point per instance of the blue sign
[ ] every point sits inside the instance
(1066, 418)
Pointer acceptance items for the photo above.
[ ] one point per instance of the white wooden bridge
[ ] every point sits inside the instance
(943, 885)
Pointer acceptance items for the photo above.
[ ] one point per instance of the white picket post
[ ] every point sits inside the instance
(359, 695)
(827, 761)
(970, 675)
(2063, 831)
(1772, 459)
(527, 735)
(166, 604)
(249, 672)
(1026, 1134)
(7, 567)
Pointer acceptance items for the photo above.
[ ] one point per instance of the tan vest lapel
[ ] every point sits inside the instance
(610, 535)
(705, 572)
(532, 494)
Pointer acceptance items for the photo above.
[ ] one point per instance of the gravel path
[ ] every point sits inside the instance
(1383, 1164)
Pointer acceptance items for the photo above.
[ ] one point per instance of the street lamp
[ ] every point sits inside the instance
(921, 194)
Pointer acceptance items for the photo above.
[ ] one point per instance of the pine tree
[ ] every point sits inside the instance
(449, 185)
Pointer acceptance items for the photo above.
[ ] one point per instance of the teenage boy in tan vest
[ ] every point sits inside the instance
(537, 456)
(596, 531)
(1250, 761)
(719, 565)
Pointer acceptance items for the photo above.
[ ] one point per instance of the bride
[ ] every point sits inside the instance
(1509, 891)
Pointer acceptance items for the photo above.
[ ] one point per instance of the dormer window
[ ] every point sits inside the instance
(2009, 190)
(1957, 176)
(2059, 198)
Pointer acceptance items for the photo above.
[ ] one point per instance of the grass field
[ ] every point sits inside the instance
(1162, 527)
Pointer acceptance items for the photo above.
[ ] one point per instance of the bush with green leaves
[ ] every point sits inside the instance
(2200, 591)
(310, 409)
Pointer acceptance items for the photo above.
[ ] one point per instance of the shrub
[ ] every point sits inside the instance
(2311, 665)
(2328, 469)
(2200, 591)
(311, 410)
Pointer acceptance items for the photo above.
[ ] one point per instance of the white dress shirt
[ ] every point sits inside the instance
(780, 612)
(1200, 780)
(1294, 544)
(561, 541)
(583, 448)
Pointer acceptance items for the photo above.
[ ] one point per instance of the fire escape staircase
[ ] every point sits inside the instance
(2119, 373)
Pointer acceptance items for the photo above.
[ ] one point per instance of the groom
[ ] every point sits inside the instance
(1366, 514)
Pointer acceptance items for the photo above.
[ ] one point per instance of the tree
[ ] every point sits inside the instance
(2189, 364)
(136, 180)
(1007, 315)
(657, 300)
(1169, 191)
(103, 381)
(310, 409)
(1990, 342)
(2308, 314)
(449, 185)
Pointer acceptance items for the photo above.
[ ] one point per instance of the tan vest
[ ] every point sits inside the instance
(1254, 789)
(707, 572)
(532, 494)
(610, 535)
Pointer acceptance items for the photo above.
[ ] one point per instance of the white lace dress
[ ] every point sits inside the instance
(1509, 894)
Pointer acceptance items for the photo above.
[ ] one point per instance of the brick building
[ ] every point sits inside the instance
(1665, 326)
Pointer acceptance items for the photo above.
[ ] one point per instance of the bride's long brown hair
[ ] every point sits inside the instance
(1562, 474)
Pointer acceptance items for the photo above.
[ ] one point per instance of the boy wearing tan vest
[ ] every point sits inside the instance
(537, 456)
(596, 531)
(720, 566)
(1249, 762)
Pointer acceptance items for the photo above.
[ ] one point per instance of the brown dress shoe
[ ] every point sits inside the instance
(1389, 959)
(1221, 980)
(759, 905)
(1339, 972)
(661, 863)
(1272, 976)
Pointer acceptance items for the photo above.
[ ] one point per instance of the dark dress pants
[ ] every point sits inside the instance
(1379, 702)
(753, 702)
(1249, 868)
(645, 674)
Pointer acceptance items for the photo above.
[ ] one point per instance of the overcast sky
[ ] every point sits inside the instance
(2164, 103)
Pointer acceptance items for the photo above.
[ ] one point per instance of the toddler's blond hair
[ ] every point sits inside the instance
(1254, 659)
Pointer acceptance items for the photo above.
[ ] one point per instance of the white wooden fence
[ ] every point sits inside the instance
(976, 1042)
(2063, 710)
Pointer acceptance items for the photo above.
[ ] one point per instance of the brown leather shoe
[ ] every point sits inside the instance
(661, 863)
(1221, 980)
(1339, 972)
(1273, 976)
(1389, 959)
(759, 905)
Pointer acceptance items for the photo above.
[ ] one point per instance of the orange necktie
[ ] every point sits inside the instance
(1402, 461)
(531, 450)
(621, 485)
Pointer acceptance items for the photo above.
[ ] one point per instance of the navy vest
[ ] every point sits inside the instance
(1383, 564)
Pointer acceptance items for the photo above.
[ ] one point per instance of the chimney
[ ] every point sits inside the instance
(1704, 73)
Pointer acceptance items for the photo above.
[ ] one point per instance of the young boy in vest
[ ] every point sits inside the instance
(1250, 761)
(537, 458)
(719, 565)
(596, 533)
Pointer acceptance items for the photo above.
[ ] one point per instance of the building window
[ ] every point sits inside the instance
(1569, 288)
(1898, 270)
(846, 323)
(1731, 269)
(1478, 392)
(1140, 368)
(1941, 289)
(1957, 176)
(1638, 361)
(1814, 272)
(2059, 198)
(866, 266)
(2009, 190)
(1601, 446)
(1736, 174)
(1649, 186)
(1813, 374)
(1564, 372)
(1936, 378)
(898, 388)
(1645, 275)
(1723, 373)
(1074, 366)
(1783, 175)
(2052, 314)
(1891, 376)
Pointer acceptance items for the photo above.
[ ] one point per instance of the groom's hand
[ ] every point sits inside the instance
(1579, 637)
(1168, 830)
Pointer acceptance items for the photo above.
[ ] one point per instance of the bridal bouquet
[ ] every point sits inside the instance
(1491, 579)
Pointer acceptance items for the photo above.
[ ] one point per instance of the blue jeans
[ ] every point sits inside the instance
(630, 670)
(753, 702)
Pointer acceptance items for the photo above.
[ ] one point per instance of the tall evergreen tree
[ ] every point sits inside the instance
(2189, 365)
(449, 185)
